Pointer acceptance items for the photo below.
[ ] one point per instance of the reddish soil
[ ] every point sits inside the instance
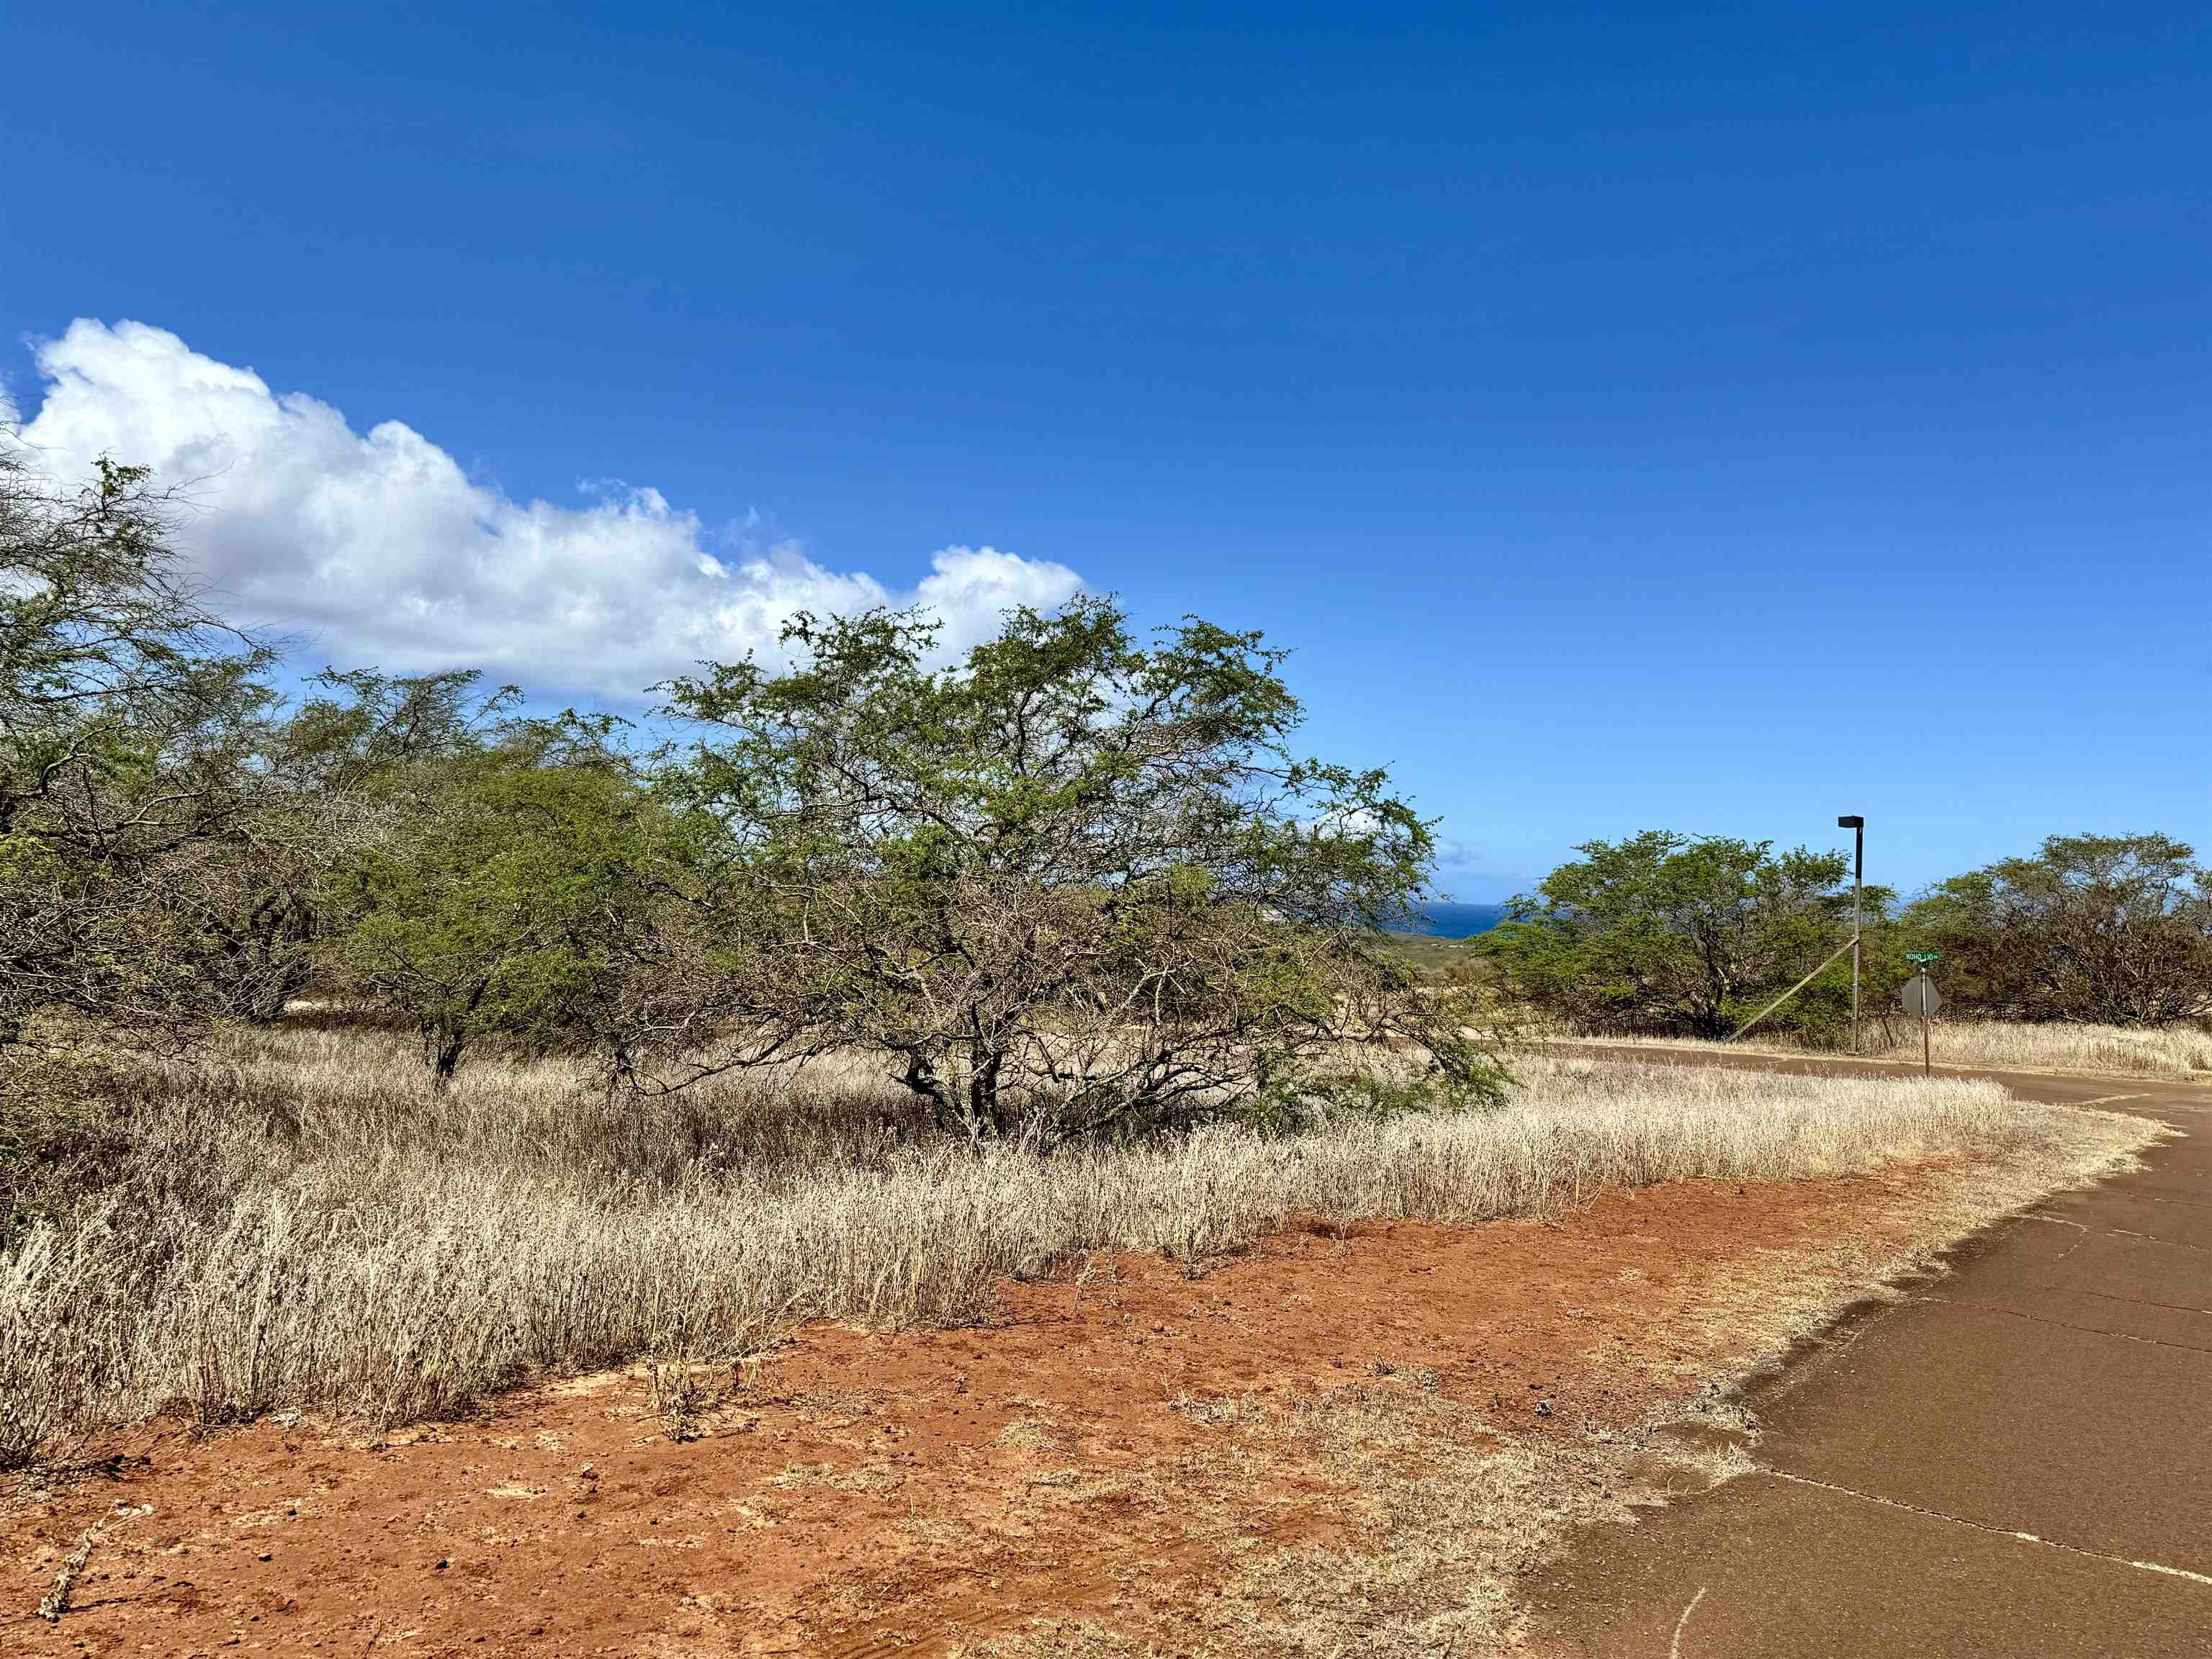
(877, 1493)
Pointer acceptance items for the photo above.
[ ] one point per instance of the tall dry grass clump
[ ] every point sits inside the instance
(2171, 1051)
(300, 1221)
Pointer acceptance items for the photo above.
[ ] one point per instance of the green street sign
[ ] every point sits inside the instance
(1923, 956)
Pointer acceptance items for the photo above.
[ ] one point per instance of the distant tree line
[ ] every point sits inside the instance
(1075, 883)
(1668, 934)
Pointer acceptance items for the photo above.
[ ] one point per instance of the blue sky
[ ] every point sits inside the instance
(1713, 418)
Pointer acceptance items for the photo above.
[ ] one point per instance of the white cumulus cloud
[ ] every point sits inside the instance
(383, 550)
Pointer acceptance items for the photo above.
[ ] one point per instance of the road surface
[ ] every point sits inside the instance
(2014, 1459)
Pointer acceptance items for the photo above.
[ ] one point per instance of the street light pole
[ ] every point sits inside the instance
(1857, 824)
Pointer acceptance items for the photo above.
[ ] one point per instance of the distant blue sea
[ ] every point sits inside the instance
(1443, 921)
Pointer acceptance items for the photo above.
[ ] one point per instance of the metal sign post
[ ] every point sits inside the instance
(1921, 999)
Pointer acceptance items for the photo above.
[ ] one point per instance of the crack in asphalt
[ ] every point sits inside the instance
(2141, 1301)
(2086, 1330)
(2121, 1232)
(1982, 1526)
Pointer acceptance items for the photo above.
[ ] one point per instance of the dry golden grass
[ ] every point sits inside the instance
(298, 1222)
(2181, 1052)
(2173, 1051)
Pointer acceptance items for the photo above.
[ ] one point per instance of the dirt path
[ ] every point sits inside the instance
(2016, 1459)
(1139, 1444)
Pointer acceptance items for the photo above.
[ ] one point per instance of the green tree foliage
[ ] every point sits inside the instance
(2115, 929)
(1671, 933)
(1072, 882)
(129, 715)
(508, 887)
(339, 775)
(367, 730)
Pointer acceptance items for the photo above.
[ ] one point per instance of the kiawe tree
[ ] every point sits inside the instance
(129, 715)
(1070, 883)
(1671, 933)
(343, 774)
(511, 889)
(2111, 929)
(177, 847)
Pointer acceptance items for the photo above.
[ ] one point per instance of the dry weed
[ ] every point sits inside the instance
(55, 1602)
(684, 1393)
(301, 1223)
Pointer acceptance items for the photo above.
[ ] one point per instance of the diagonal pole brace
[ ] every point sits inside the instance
(1792, 991)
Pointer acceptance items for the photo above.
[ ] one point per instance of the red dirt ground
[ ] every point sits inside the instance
(899, 1493)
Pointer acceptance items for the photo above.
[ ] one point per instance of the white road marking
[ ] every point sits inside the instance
(2152, 1238)
(1977, 1526)
(1675, 1651)
(2177, 1572)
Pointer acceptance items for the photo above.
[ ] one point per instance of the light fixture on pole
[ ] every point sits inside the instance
(1857, 824)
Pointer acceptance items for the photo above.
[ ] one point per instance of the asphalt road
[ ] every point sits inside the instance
(2014, 1459)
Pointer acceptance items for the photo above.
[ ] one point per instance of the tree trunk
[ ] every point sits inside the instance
(921, 1077)
(986, 1106)
(448, 1057)
(278, 987)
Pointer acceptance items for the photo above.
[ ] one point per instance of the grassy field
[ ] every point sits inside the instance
(299, 1221)
(1427, 954)
(2181, 1052)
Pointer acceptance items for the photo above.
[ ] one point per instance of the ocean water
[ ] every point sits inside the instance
(1444, 921)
